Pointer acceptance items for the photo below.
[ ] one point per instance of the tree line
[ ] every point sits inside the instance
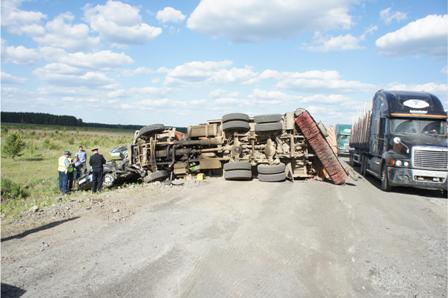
(49, 119)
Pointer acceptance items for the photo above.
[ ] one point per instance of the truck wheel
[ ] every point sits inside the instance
(108, 180)
(238, 165)
(268, 127)
(385, 180)
(235, 116)
(157, 175)
(272, 177)
(238, 170)
(267, 118)
(271, 169)
(150, 129)
(236, 125)
(238, 175)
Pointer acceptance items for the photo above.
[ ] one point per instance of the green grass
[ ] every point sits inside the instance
(36, 169)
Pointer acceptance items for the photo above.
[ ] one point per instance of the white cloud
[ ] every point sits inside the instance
(66, 75)
(314, 80)
(103, 60)
(19, 54)
(426, 36)
(119, 23)
(260, 20)
(431, 87)
(7, 78)
(210, 71)
(388, 15)
(138, 71)
(170, 15)
(19, 21)
(62, 33)
(322, 43)
(95, 60)
(444, 70)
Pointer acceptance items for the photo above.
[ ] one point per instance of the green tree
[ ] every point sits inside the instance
(14, 145)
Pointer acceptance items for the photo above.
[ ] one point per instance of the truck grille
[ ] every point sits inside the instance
(430, 159)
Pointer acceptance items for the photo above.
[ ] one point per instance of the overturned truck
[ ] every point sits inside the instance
(270, 147)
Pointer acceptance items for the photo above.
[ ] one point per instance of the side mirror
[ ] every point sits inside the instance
(397, 140)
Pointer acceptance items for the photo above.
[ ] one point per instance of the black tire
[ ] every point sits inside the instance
(235, 116)
(151, 129)
(108, 180)
(268, 118)
(238, 175)
(236, 125)
(238, 165)
(272, 177)
(385, 186)
(271, 169)
(156, 176)
(268, 127)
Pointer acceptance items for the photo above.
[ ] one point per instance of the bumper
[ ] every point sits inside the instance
(424, 179)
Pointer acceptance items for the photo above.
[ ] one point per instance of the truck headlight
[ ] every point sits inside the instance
(398, 163)
(406, 164)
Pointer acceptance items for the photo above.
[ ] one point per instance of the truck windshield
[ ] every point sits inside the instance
(418, 126)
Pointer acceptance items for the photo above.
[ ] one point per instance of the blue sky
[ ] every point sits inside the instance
(184, 62)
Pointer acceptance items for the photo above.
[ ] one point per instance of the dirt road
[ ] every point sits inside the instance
(230, 239)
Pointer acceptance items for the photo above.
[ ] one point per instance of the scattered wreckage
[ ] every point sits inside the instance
(272, 148)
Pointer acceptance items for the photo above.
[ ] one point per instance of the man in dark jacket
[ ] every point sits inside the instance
(96, 162)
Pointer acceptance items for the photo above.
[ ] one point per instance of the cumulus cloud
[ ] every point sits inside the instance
(431, 87)
(314, 80)
(210, 71)
(425, 36)
(119, 23)
(96, 60)
(18, 21)
(100, 60)
(19, 54)
(7, 78)
(66, 75)
(62, 33)
(170, 15)
(322, 43)
(388, 15)
(260, 20)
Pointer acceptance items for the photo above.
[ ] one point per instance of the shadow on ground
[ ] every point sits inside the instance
(404, 190)
(38, 229)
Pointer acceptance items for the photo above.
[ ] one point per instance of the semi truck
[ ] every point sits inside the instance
(402, 141)
(343, 132)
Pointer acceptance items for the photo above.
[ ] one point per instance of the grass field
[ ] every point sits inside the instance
(35, 171)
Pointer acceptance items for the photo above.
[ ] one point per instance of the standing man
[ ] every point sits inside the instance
(81, 160)
(63, 164)
(96, 162)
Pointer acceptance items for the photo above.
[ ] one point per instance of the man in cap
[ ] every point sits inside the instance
(81, 160)
(96, 162)
(63, 164)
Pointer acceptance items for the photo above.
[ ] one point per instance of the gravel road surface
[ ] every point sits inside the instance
(235, 239)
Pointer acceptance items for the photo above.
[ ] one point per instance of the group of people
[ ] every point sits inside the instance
(71, 169)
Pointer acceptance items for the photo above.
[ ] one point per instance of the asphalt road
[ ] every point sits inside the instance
(239, 239)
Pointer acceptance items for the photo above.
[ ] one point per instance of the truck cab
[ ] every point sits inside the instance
(406, 141)
(343, 132)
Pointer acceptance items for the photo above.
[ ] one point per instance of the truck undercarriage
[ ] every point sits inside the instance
(273, 147)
